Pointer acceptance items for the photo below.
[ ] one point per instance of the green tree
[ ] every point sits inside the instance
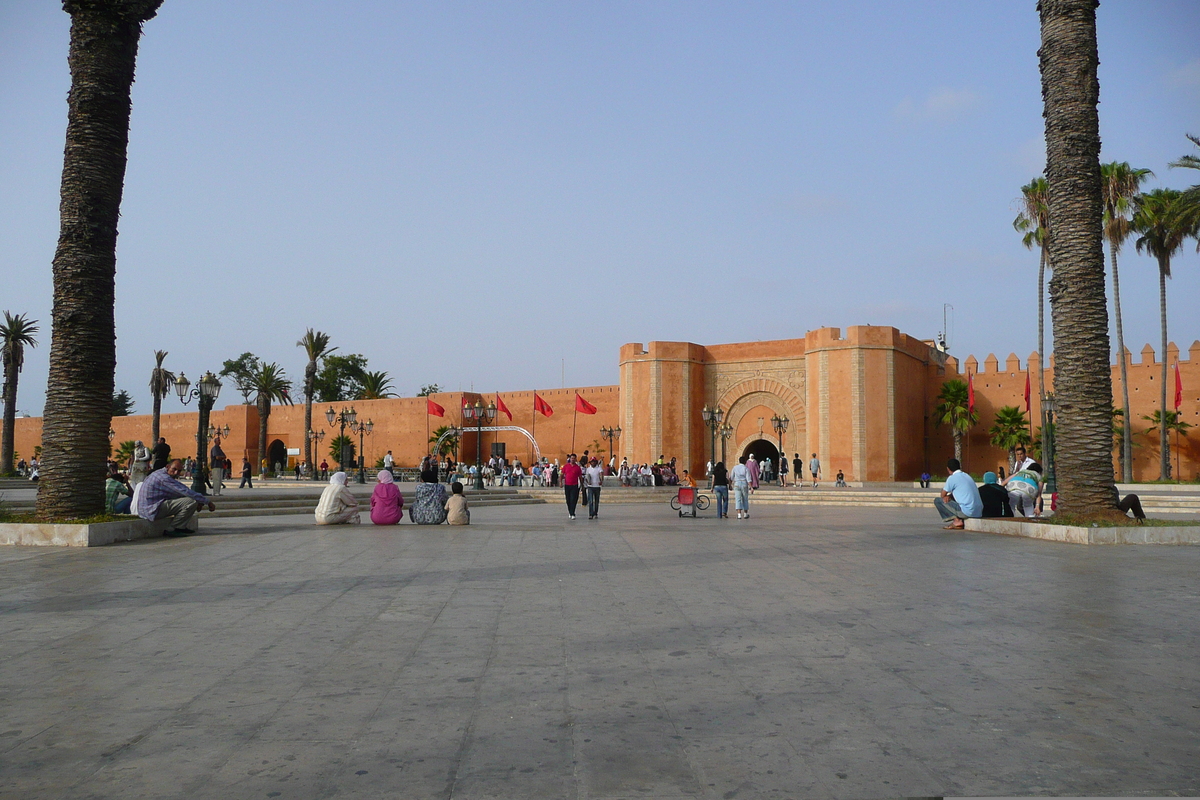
(342, 447)
(375, 386)
(16, 333)
(122, 405)
(242, 369)
(450, 445)
(952, 410)
(271, 385)
(1010, 429)
(1121, 184)
(124, 453)
(161, 381)
(1034, 223)
(340, 378)
(1164, 222)
(428, 389)
(1174, 422)
(316, 345)
(1082, 458)
(83, 356)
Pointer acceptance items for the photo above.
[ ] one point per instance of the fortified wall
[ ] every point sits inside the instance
(862, 401)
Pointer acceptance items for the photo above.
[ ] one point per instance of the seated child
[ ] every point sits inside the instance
(688, 480)
(457, 512)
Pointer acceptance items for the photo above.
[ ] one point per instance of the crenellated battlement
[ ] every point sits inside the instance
(1012, 364)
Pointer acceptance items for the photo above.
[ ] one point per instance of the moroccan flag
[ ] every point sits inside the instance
(970, 393)
(1178, 388)
(583, 406)
(1027, 392)
(541, 406)
(434, 408)
(503, 408)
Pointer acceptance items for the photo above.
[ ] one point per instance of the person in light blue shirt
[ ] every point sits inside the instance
(959, 499)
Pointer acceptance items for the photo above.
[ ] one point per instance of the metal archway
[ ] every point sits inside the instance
(452, 431)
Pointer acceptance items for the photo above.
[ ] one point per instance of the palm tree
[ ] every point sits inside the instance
(375, 386)
(1192, 195)
(316, 345)
(952, 410)
(1164, 222)
(271, 385)
(1034, 223)
(1078, 304)
(1010, 429)
(161, 381)
(124, 452)
(103, 51)
(1120, 184)
(16, 333)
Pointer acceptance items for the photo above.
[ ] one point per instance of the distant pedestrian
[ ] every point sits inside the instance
(841, 480)
(324, 470)
(217, 459)
(571, 474)
(814, 468)
(720, 485)
(925, 479)
(797, 469)
(741, 488)
(246, 472)
(752, 467)
(594, 479)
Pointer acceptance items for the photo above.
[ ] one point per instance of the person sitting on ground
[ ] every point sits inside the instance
(387, 504)
(457, 512)
(429, 506)
(163, 496)
(959, 499)
(337, 505)
(117, 494)
(841, 479)
(994, 497)
(1024, 489)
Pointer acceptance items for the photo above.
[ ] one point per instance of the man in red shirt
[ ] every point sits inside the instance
(571, 473)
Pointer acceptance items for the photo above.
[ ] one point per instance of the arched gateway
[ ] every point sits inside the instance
(750, 406)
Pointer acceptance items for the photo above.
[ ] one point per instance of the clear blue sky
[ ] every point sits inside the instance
(476, 194)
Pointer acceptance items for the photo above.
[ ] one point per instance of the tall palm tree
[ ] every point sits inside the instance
(316, 345)
(952, 409)
(1010, 429)
(1120, 184)
(1034, 223)
(1078, 302)
(271, 386)
(375, 386)
(1192, 195)
(161, 381)
(103, 51)
(16, 333)
(1164, 221)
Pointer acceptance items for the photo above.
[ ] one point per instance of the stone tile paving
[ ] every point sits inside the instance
(805, 652)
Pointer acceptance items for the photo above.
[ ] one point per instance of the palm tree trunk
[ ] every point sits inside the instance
(309, 373)
(1126, 424)
(958, 444)
(10, 422)
(155, 419)
(1164, 446)
(1041, 343)
(1082, 376)
(78, 410)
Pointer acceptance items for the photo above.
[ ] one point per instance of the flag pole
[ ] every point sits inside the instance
(574, 419)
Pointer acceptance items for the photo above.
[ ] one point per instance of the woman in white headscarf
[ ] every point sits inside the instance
(337, 505)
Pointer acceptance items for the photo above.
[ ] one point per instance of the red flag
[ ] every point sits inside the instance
(583, 406)
(1027, 392)
(541, 406)
(970, 393)
(1178, 388)
(503, 408)
(434, 408)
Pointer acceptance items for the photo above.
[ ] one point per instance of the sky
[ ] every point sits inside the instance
(497, 196)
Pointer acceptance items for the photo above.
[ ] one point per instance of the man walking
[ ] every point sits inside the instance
(814, 467)
(571, 473)
(594, 479)
(162, 496)
(797, 469)
(246, 471)
(216, 459)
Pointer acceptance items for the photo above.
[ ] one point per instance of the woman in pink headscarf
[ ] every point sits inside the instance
(387, 504)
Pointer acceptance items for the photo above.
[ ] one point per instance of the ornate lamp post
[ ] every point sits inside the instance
(1048, 406)
(481, 415)
(712, 418)
(342, 418)
(362, 429)
(206, 392)
(316, 437)
(611, 434)
(780, 424)
(726, 431)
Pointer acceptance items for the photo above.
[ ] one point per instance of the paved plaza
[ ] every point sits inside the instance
(806, 652)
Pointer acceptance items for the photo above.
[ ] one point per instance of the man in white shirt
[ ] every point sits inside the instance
(388, 461)
(593, 480)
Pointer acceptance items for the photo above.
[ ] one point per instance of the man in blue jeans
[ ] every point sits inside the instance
(959, 499)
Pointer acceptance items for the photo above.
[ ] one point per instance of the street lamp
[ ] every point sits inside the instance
(1049, 406)
(315, 437)
(206, 392)
(726, 431)
(362, 429)
(611, 434)
(712, 418)
(780, 424)
(345, 417)
(481, 415)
